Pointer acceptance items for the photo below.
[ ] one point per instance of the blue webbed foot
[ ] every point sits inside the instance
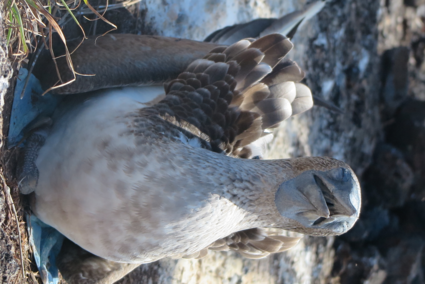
(46, 243)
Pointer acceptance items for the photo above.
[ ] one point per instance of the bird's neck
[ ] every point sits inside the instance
(249, 184)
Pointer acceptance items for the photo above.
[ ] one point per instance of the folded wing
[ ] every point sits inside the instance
(231, 96)
(253, 243)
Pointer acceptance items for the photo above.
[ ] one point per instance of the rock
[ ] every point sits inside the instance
(413, 3)
(358, 265)
(388, 180)
(394, 78)
(372, 221)
(405, 261)
(411, 217)
(408, 134)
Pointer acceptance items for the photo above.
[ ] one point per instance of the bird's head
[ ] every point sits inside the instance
(322, 197)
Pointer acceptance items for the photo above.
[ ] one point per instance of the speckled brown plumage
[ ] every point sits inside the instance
(235, 93)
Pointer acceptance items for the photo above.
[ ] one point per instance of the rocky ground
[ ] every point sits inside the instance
(364, 56)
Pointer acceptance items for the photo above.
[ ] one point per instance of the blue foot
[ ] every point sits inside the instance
(31, 106)
(46, 243)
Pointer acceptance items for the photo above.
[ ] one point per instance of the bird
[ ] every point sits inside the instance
(135, 179)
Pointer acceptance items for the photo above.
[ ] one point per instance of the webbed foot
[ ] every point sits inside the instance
(46, 243)
(28, 177)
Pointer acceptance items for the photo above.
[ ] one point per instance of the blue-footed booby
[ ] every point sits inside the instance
(135, 178)
(135, 175)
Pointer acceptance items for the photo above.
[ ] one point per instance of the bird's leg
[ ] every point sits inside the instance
(28, 176)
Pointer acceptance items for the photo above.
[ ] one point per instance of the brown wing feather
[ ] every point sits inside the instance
(121, 60)
(233, 94)
(253, 243)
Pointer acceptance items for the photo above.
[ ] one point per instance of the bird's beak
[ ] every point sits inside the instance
(328, 201)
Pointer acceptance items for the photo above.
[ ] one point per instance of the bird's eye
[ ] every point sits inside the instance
(339, 174)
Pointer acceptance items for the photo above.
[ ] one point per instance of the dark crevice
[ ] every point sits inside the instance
(327, 194)
(318, 221)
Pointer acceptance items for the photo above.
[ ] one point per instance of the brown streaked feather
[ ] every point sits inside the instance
(247, 61)
(285, 90)
(272, 119)
(253, 243)
(233, 94)
(231, 34)
(270, 105)
(218, 243)
(252, 96)
(193, 255)
(254, 255)
(217, 57)
(256, 234)
(256, 74)
(285, 71)
(216, 72)
(253, 133)
(235, 49)
(244, 153)
(274, 48)
(220, 248)
(288, 242)
(202, 253)
(218, 49)
(304, 99)
(199, 65)
(268, 245)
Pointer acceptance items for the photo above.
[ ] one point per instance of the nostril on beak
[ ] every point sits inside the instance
(319, 220)
(323, 213)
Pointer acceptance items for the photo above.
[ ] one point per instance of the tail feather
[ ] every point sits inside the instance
(232, 34)
(286, 25)
(289, 23)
